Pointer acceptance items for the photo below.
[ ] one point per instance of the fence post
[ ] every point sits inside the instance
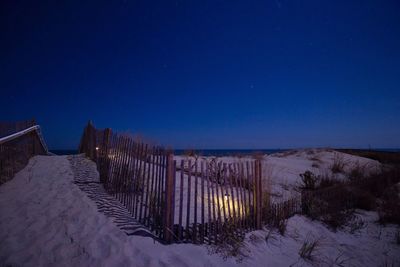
(257, 193)
(169, 199)
(91, 140)
(104, 156)
(94, 142)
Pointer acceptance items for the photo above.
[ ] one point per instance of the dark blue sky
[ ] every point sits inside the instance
(206, 74)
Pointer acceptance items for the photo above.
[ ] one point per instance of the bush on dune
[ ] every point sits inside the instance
(309, 181)
(389, 209)
(333, 202)
(231, 242)
(308, 249)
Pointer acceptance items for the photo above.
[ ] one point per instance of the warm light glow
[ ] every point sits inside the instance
(97, 148)
(233, 205)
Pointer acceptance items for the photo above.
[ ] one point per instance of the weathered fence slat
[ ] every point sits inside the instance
(182, 166)
(126, 163)
(169, 199)
(195, 204)
(258, 194)
(115, 141)
(245, 193)
(150, 189)
(131, 177)
(232, 197)
(138, 177)
(209, 206)
(226, 190)
(242, 198)
(202, 228)
(145, 201)
(221, 199)
(188, 201)
(249, 181)
(159, 192)
(237, 187)
(142, 177)
(120, 167)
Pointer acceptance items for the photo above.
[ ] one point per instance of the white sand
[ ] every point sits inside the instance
(283, 169)
(46, 220)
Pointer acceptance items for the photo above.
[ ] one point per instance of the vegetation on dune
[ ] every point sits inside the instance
(308, 249)
(333, 202)
(383, 157)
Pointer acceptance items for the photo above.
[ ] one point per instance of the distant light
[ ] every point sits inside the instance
(97, 148)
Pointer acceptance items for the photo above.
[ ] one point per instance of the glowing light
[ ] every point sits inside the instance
(97, 148)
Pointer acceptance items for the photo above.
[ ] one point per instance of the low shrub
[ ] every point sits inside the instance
(392, 158)
(330, 205)
(278, 222)
(356, 173)
(336, 219)
(338, 164)
(389, 209)
(309, 181)
(332, 201)
(355, 225)
(378, 183)
(362, 199)
(231, 242)
(308, 249)
(325, 182)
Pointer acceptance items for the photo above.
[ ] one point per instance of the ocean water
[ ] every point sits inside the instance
(64, 151)
(228, 152)
(217, 152)
(202, 152)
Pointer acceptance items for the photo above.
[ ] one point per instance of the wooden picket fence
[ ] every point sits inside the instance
(212, 195)
(133, 172)
(19, 141)
(192, 202)
(276, 212)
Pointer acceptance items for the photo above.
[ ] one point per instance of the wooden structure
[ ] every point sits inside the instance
(277, 212)
(9, 128)
(180, 202)
(19, 141)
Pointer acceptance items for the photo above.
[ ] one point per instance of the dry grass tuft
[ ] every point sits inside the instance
(308, 249)
(338, 163)
(308, 181)
(231, 243)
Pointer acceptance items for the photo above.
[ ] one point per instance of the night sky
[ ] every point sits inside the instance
(206, 74)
